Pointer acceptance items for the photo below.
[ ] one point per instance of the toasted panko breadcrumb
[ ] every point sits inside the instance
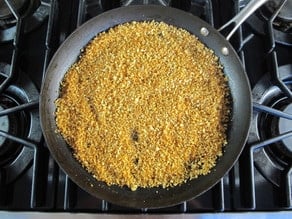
(146, 105)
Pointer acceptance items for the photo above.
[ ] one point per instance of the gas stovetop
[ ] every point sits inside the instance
(30, 180)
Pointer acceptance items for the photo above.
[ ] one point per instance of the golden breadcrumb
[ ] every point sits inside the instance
(146, 105)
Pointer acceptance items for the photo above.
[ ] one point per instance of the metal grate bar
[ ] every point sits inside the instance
(51, 22)
(50, 35)
(33, 198)
(275, 75)
(288, 188)
(53, 178)
(273, 54)
(245, 41)
(183, 207)
(18, 140)
(271, 140)
(16, 43)
(69, 194)
(209, 15)
(247, 180)
(43, 191)
(19, 24)
(272, 111)
(104, 206)
(9, 77)
(24, 106)
(270, 29)
(218, 196)
(246, 168)
(144, 210)
(81, 13)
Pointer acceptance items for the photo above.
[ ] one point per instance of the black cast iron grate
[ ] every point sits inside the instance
(44, 187)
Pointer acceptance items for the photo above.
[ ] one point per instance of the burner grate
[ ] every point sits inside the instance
(19, 100)
(45, 187)
(272, 94)
(281, 22)
(29, 13)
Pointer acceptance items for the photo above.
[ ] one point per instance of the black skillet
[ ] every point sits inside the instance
(68, 53)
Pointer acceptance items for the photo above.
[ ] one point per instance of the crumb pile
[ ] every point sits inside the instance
(146, 105)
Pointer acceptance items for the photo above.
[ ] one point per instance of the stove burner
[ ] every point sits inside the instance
(23, 124)
(12, 124)
(274, 159)
(282, 24)
(284, 127)
(280, 150)
(34, 12)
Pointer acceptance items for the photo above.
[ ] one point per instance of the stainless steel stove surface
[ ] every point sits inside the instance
(30, 180)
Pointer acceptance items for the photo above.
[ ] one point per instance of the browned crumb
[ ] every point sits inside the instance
(146, 105)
